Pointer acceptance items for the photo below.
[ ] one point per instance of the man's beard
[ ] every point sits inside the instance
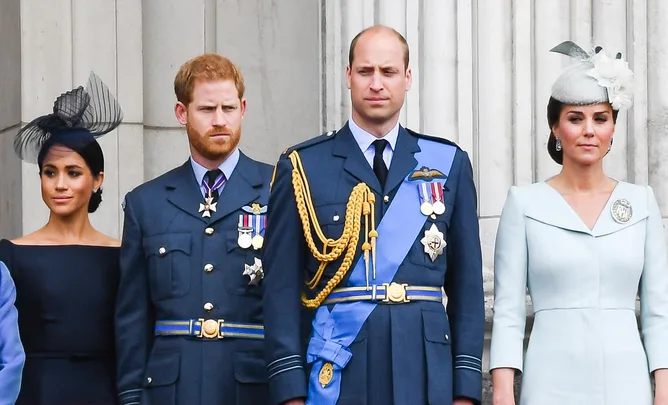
(209, 148)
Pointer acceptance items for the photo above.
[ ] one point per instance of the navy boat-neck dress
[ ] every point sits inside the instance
(65, 296)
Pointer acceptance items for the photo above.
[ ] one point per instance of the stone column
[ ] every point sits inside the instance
(46, 72)
(657, 99)
(10, 119)
(280, 61)
(173, 32)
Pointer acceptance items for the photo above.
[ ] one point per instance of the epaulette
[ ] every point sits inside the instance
(310, 142)
(433, 138)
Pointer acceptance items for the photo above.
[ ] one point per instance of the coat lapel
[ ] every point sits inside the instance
(607, 224)
(355, 162)
(242, 188)
(184, 192)
(403, 161)
(552, 209)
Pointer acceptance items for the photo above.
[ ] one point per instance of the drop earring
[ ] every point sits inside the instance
(558, 145)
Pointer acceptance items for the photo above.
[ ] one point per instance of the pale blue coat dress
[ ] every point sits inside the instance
(585, 347)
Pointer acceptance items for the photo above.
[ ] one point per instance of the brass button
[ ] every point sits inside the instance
(162, 251)
(208, 267)
(386, 199)
(208, 307)
(149, 380)
(208, 231)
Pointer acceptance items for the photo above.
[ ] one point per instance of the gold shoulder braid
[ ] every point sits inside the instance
(360, 203)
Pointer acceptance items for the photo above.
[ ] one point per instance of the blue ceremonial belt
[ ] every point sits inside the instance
(209, 329)
(334, 331)
(393, 293)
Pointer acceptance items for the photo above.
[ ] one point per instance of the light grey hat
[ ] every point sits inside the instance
(594, 78)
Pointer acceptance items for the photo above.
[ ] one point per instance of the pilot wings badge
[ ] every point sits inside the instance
(426, 174)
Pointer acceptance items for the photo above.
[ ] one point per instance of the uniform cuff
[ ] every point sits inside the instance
(287, 379)
(130, 397)
(468, 384)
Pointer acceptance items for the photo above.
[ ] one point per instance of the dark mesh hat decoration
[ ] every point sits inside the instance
(92, 110)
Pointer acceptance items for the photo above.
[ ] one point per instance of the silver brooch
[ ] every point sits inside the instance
(621, 210)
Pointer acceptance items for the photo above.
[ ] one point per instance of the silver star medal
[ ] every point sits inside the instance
(207, 207)
(433, 242)
(255, 272)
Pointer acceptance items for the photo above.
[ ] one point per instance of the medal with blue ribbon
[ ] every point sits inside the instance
(210, 206)
(252, 226)
(424, 191)
(431, 198)
(259, 224)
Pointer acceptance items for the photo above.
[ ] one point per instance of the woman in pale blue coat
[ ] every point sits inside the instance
(12, 356)
(584, 245)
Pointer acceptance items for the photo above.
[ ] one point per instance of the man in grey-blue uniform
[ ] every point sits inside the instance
(189, 318)
(369, 225)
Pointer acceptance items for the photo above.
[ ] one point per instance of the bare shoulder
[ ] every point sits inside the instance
(35, 238)
(105, 240)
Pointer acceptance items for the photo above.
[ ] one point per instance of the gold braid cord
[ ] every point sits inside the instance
(360, 203)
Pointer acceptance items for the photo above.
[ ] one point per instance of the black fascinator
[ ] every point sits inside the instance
(91, 111)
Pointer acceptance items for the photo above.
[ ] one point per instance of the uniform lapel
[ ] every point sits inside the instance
(403, 161)
(242, 188)
(183, 191)
(355, 162)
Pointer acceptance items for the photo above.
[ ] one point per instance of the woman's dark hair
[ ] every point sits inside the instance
(554, 108)
(84, 144)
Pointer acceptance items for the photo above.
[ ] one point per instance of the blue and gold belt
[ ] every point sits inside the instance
(393, 293)
(209, 329)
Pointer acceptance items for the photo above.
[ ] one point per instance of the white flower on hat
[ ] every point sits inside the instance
(613, 74)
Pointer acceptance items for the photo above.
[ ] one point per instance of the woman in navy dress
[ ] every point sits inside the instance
(66, 273)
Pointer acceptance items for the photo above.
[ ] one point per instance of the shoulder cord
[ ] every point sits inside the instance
(361, 202)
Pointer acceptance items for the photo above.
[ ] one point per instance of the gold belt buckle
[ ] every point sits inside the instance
(210, 328)
(395, 293)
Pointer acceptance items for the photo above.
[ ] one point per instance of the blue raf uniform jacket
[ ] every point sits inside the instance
(409, 354)
(12, 356)
(178, 266)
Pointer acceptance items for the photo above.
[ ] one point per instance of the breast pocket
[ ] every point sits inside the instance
(430, 249)
(331, 218)
(168, 258)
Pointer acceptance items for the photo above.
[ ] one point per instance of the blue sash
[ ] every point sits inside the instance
(334, 331)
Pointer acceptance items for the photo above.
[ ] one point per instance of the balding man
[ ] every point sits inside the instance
(370, 226)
